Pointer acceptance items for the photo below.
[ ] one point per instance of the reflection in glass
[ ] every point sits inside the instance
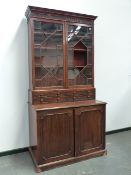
(79, 57)
(48, 39)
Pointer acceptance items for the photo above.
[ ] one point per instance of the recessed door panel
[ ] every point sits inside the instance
(89, 129)
(56, 135)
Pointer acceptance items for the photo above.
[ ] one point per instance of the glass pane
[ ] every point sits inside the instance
(79, 55)
(80, 30)
(48, 49)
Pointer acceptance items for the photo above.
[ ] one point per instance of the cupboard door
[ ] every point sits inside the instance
(55, 135)
(80, 54)
(48, 54)
(89, 131)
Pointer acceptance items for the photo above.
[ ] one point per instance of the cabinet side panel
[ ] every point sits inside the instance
(33, 132)
(30, 53)
(32, 126)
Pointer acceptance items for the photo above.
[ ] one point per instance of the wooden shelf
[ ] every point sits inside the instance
(39, 65)
(48, 33)
(88, 65)
(83, 50)
(79, 66)
(53, 48)
(88, 36)
(61, 47)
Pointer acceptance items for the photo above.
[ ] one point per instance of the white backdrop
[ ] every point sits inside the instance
(112, 63)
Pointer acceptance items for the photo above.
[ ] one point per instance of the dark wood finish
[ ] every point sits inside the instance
(67, 124)
(89, 126)
(65, 55)
(68, 132)
(67, 105)
(38, 12)
(80, 55)
(43, 167)
(62, 95)
(56, 135)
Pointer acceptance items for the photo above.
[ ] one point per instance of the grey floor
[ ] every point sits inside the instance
(117, 161)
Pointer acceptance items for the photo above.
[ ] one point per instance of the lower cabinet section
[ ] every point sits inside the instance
(68, 135)
(56, 135)
(89, 129)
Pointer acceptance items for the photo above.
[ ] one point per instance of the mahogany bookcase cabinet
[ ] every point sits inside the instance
(67, 124)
